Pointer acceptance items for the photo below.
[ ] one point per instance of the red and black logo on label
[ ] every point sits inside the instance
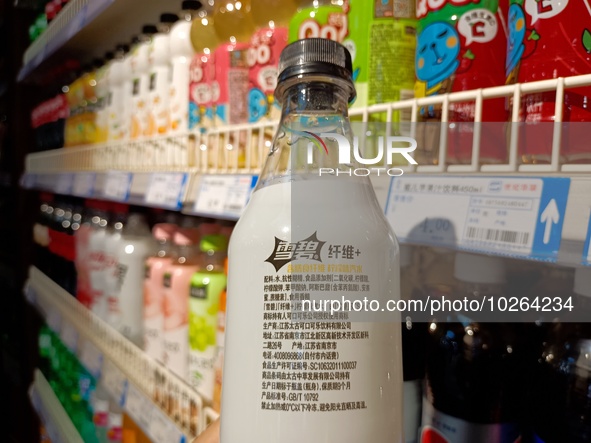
(284, 252)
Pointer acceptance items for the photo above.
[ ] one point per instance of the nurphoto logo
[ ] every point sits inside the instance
(386, 148)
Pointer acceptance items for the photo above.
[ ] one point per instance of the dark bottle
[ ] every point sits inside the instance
(474, 373)
(414, 336)
(561, 396)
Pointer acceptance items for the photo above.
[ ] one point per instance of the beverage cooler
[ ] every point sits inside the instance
(310, 220)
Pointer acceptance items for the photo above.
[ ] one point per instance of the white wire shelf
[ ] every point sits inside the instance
(167, 408)
(242, 148)
(58, 425)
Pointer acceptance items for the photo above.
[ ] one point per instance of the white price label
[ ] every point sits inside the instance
(54, 319)
(139, 407)
(519, 216)
(117, 186)
(114, 381)
(162, 429)
(224, 194)
(84, 184)
(166, 189)
(69, 336)
(91, 358)
(64, 184)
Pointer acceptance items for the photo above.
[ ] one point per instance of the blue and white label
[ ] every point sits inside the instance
(516, 216)
(166, 190)
(224, 195)
(117, 186)
(84, 184)
(586, 259)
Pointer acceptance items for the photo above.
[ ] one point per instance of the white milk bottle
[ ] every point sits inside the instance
(140, 69)
(181, 53)
(135, 246)
(295, 371)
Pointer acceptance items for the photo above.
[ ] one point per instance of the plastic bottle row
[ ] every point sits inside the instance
(468, 380)
(164, 290)
(96, 416)
(217, 65)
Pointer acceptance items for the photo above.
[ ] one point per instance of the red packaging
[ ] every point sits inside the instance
(551, 39)
(202, 74)
(263, 64)
(230, 87)
(461, 46)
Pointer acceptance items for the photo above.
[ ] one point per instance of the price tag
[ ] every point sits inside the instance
(519, 216)
(64, 184)
(166, 189)
(91, 358)
(84, 184)
(114, 381)
(69, 336)
(162, 429)
(117, 186)
(139, 407)
(28, 181)
(30, 293)
(54, 319)
(224, 194)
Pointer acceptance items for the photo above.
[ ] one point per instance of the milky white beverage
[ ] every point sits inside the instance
(293, 374)
(135, 246)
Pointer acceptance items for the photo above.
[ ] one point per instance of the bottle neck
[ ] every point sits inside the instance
(312, 108)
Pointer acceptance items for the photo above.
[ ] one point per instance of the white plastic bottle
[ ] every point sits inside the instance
(111, 277)
(181, 53)
(160, 71)
(319, 237)
(96, 258)
(140, 69)
(127, 91)
(135, 246)
(115, 96)
(102, 96)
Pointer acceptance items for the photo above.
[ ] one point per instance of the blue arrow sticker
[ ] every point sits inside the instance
(550, 218)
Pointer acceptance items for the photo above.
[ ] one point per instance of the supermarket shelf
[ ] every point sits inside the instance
(242, 148)
(218, 196)
(85, 29)
(54, 417)
(142, 386)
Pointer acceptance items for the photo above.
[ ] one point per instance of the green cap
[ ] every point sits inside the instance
(214, 242)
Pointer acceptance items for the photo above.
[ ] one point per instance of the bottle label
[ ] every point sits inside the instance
(153, 305)
(159, 118)
(322, 22)
(461, 46)
(179, 95)
(442, 428)
(202, 74)
(263, 62)
(140, 113)
(550, 39)
(176, 319)
(205, 292)
(230, 87)
(316, 371)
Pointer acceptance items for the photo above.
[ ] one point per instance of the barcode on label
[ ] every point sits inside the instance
(497, 235)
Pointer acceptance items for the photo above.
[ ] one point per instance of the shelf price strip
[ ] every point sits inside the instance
(515, 216)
